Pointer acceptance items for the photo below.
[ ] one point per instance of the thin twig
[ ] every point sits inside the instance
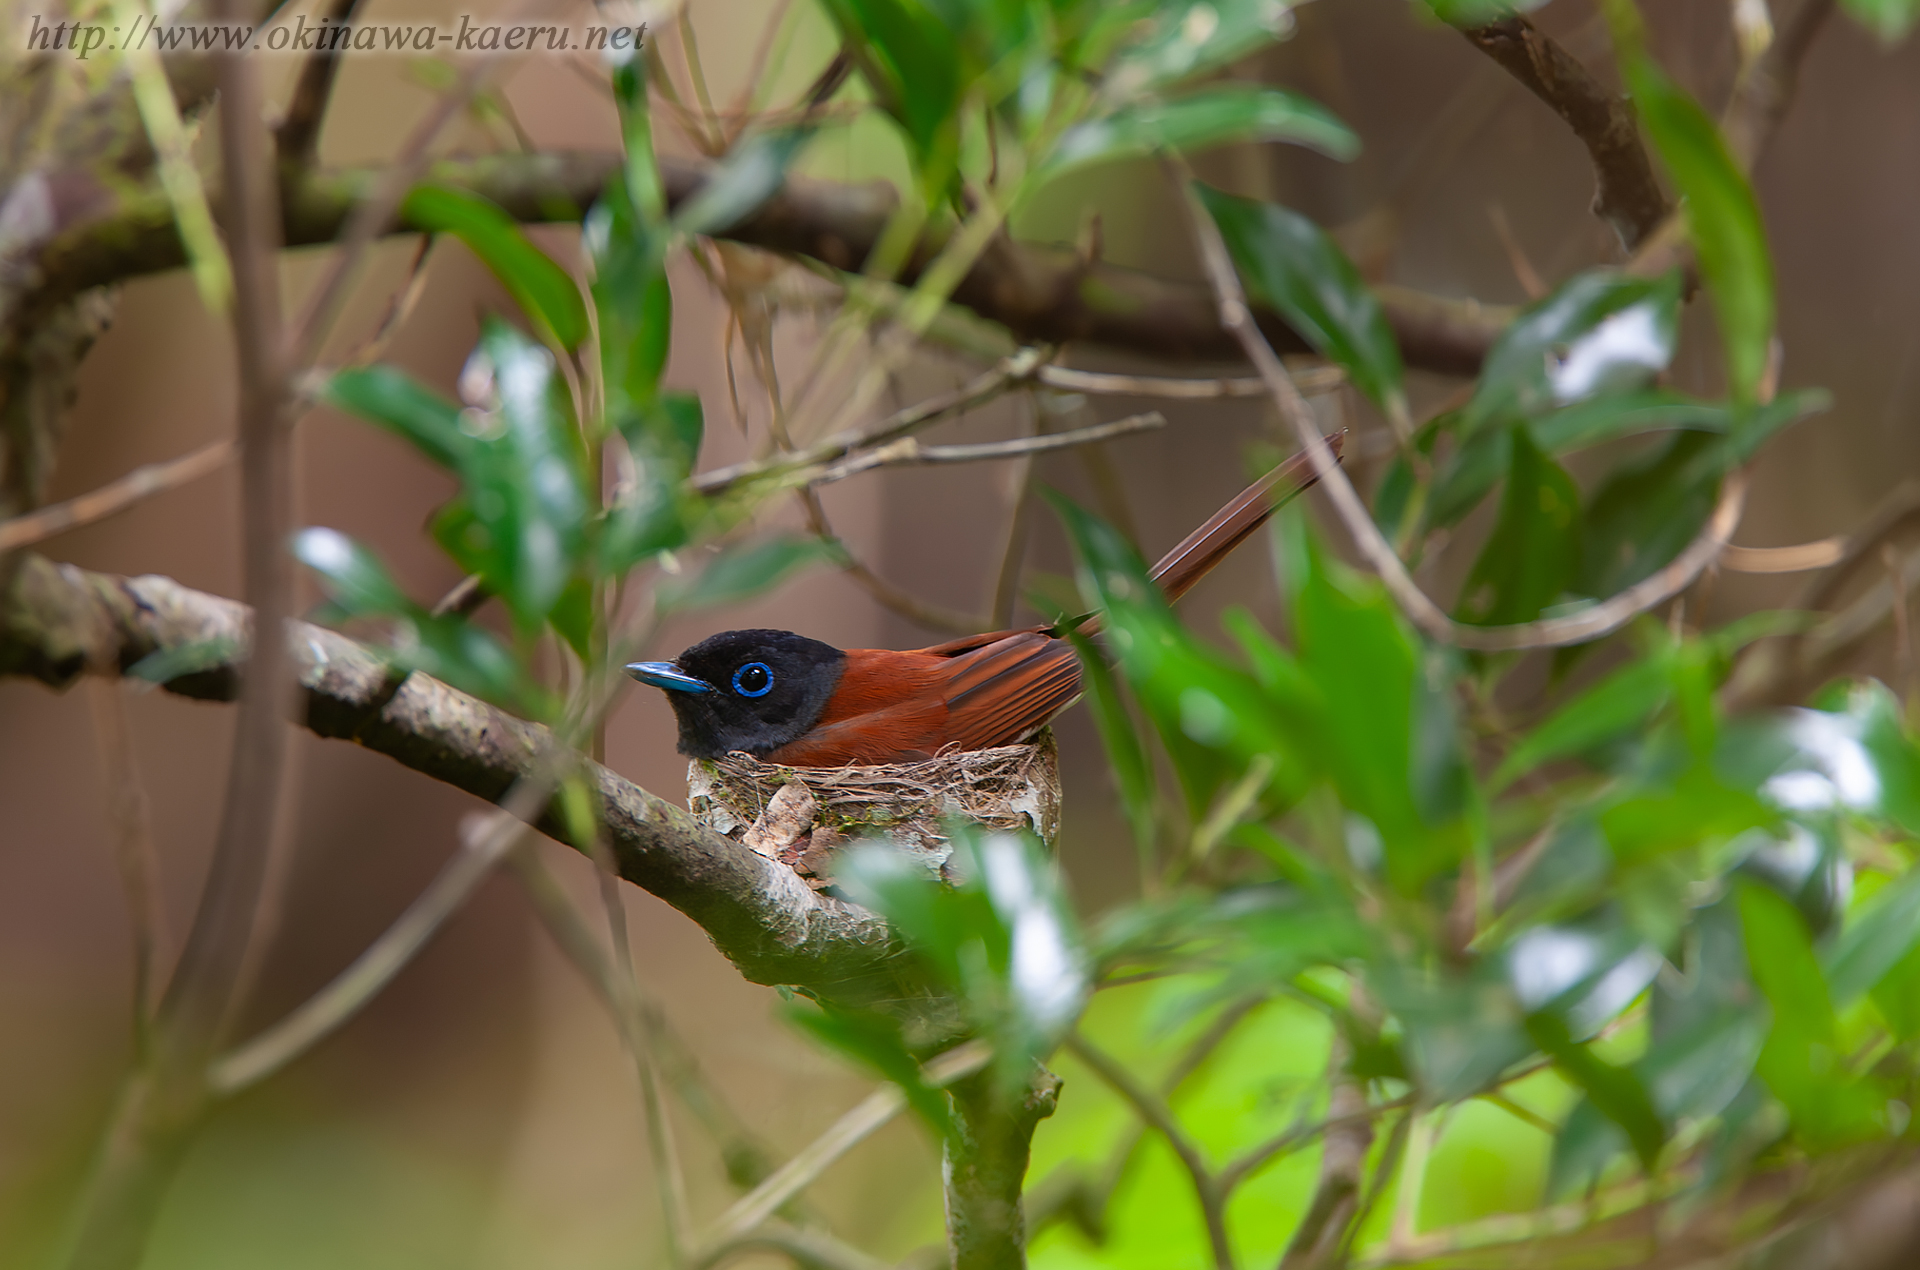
(815, 1249)
(1627, 196)
(746, 1158)
(1798, 558)
(483, 843)
(1256, 1158)
(1322, 1231)
(1311, 382)
(1151, 1108)
(369, 218)
(980, 388)
(933, 617)
(1578, 628)
(130, 817)
(909, 452)
(669, 1176)
(116, 496)
(848, 1131)
(298, 136)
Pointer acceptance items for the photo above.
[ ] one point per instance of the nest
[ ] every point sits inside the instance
(800, 815)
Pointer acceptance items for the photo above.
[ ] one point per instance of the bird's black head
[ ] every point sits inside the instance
(745, 690)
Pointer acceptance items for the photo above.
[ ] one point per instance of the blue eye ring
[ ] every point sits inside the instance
(763, 689)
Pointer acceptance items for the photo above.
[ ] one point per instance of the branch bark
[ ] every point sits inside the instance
(58, 622)
(1626, 195)
(1041, 293)
(986, 1166)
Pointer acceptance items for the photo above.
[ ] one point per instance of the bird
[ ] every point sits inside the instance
(790, 700)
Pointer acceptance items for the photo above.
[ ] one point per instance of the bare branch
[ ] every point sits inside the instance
(1626, 196)
(482, 846)
(812, 1248)
(1043, 294)
(1588, 624)
(1312, 383)
(931, 617)
(848, 1131)
(981, 388)
(1153, 1109)
(116, 496)
(908, 452)
(1761, 102)
(298, 137)
(130, 816)
(58, 622)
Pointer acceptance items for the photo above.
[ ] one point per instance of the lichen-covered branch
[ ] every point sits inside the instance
(58, 622)
(1041, 293)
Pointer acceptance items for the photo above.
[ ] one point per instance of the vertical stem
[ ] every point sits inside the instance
(166, 1096)
(986, 1165)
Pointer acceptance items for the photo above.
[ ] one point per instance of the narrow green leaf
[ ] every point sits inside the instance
(164, 665)
(354, 578)
(1615, 1091)
(1891, 20)
(1620, 704)
(1534, 550)
(1723, 220)
(1599, 330)
(1288, 262)
(1180, 41)
(874, 1042)
(1119, 736)
(394, 399)
(545, 292)
(913, 65)
(1219, 115)
(1874, 942)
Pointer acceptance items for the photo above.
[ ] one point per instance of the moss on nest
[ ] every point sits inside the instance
(799, 815)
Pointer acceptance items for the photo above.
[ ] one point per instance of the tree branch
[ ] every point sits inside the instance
(58, 622)
(1626, 195)
(1042, 293)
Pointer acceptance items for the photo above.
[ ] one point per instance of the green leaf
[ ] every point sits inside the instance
(1599, 330)
(1874, 942)
(449, 648)
(653, 512)
(1213, 116)
(1723, 220)
(1182, 41)
(401, 403)
(545, 292)
(1800, 1062)
(1211, 715)
(1125, 755)
(1891, 20)
(1621, 703)
(1289, 263)
(164, 665)
(1645, 513)
(1615, 1091)
(1534, 550)
(1475, 12)
(1462, 1031)
(913, 64)
(875, 1042)
(354, 578)
(751, 173)
(1003, 937)
(523, 482)
(743, 570)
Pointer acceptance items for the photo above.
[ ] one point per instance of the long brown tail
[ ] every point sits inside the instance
(1208, 545)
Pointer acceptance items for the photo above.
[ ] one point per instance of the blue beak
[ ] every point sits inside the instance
(664, 674)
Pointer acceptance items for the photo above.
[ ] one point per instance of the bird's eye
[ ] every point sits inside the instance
(753, 679)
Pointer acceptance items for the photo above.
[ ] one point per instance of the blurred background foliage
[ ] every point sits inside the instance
(1596, 951)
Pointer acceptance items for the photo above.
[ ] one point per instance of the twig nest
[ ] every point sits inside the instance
(799, 815)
